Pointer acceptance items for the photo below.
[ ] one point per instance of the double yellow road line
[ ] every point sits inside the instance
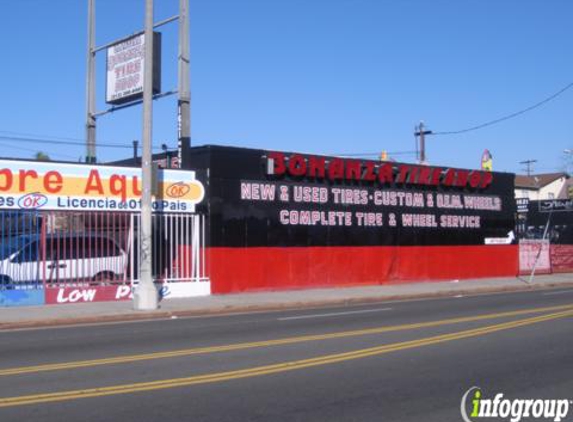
(564, 312)
(270, 343)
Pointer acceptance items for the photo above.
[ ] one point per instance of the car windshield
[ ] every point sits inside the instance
(59, 247)
(10, 245)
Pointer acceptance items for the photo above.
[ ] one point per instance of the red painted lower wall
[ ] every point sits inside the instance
(272, 268)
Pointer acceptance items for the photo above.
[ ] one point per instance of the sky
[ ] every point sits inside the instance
(343, 77)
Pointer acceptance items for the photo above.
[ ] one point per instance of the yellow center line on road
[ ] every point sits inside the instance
(274, 368)
(268, 343)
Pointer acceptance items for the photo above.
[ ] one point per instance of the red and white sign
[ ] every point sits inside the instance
(125, 66)
(280, 164)
(534, 254)
(562, 258)
(32, 185)
(64, 295)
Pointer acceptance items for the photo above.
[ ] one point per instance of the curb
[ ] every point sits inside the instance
(238, 309)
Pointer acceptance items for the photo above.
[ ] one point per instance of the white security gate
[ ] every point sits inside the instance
(178, 248)
(63, 251)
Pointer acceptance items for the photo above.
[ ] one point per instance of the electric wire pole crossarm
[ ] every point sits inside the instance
(422, 133)
(529, 165)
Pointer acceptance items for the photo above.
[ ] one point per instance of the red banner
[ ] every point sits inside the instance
(562, 258)
(55, 296)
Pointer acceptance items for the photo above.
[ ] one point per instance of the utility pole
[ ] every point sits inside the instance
(145, 296)
(422, 133)
(135, 152)
(568, 153)
(184, 101)
(90, 87)
(529, 165)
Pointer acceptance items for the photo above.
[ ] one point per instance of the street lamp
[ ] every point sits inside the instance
(145, 296)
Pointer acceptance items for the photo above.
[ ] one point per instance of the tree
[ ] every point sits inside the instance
(42, 156)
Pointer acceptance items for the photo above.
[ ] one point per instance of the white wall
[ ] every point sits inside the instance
(550, 191)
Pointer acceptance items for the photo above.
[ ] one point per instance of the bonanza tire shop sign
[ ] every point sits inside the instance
(373, 203)
(125, 66)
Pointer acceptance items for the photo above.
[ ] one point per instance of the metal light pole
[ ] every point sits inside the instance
(90, 87)
(184, 101)
(145, 296)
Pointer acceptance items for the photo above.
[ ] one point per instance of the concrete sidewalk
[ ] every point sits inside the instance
(51, 315)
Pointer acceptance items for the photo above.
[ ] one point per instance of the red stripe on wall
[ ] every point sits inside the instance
(250, 269)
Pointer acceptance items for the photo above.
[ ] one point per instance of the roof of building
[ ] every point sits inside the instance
(537, 181)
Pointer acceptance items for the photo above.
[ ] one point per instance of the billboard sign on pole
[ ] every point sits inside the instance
(124, 70)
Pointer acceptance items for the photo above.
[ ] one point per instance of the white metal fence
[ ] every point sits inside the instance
(178, 247)
(61, 249)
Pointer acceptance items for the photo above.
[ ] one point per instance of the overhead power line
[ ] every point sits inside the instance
(55, 142)
(59, 142)
(42, 136)
(57, 154)
(375, 154)
(509, 116)
(53, 139)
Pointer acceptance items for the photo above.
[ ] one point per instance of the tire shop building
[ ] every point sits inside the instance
(279, 220)
(237, 219)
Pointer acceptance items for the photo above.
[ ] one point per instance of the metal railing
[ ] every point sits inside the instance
(75, 249)
(178, 247)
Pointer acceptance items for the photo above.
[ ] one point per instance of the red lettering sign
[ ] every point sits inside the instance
(334, 169)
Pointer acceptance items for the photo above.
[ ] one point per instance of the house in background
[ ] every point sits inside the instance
(545, 214)
(544, 186)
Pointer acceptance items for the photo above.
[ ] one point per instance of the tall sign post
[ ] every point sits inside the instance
(129, 61)
(145, 296)
(90, 87)
(184, 100)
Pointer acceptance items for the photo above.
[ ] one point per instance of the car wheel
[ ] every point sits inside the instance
(6, 283)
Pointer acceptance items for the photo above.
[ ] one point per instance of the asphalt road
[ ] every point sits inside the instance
(395, 361)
